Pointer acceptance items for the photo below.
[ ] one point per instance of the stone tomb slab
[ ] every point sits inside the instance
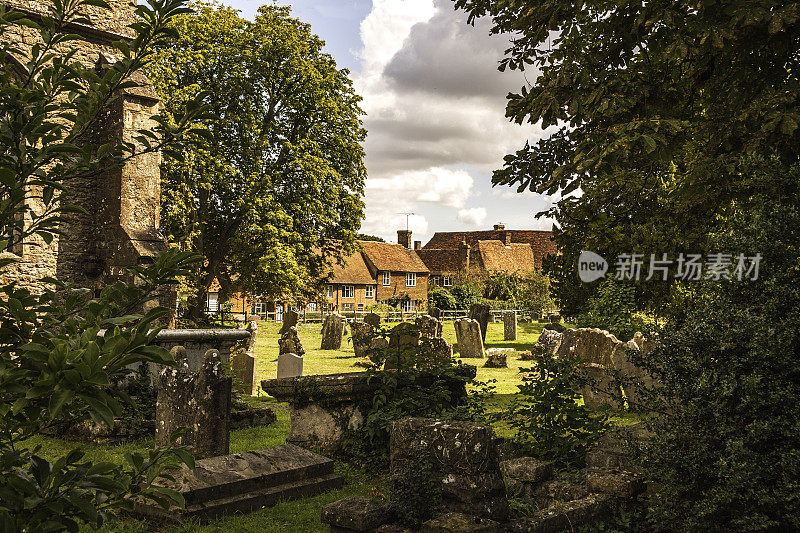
(244, 482)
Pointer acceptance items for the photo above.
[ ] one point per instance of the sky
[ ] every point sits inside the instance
(435, 113)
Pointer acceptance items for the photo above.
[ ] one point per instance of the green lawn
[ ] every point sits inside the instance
(318, 362)
(302, 515)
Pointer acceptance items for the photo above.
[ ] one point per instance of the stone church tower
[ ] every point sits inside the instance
(121, 226)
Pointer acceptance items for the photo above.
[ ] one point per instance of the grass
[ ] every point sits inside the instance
(304, 515)
(320, 362)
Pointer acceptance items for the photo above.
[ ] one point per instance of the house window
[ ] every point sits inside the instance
(369, 291)
(311, 307)
(347, 307)
(258, 308)
(447, 281)
(360, 307)
(213, 302)
(407, 306)
(434, 280)
(348, 291)
(329, 291)
(411, 279)
(387, 279)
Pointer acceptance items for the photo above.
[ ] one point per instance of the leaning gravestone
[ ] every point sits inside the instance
(435, 312)
(361, 335)
(332, 331)
(200, 402)
(252, 327)
(480, 312)
(435, 351)
(373, 319)
(429, 326)
(509, 325)
(290, 365)
(290, 342)
(468, 337)
(403, 346)
(290, 318)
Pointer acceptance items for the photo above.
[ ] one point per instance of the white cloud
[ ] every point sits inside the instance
(473, 216)
(442, 186)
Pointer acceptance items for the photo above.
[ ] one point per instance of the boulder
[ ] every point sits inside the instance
(496, 360)
(357, 513)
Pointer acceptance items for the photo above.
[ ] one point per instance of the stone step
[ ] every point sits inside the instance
(246, 481)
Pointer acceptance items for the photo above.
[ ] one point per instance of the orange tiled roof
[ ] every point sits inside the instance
(392, 257)
(354, 271)
(439, 261)
(516, 257)
(540, 241)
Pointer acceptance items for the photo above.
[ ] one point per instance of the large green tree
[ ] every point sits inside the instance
(656, 103)
(272, 191)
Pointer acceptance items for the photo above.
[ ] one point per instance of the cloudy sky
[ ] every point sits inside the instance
(435, 106)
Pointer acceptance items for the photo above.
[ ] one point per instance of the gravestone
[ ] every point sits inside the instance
(497, 358)
(212, 420)
(252, 327)
(332, 331)
(429, 326)
(200, 402)
(468, 337)
(480, 312)
(243, 366)
(436, 351)
(435, 312)
(549, 341)
(373, 319)
(290, 318)
(290, 342)
(361, 335)
(403, 343)
(290, 365)
(509, 325)
(463, 461)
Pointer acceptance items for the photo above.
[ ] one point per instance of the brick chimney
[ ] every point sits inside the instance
(499, 227)
(417, 245)
(504, 236)
(463, 256)
(404, 237)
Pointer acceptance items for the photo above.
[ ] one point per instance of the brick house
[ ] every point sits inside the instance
(352, 287)
(400, 274)
(495, 250)
(120, 225)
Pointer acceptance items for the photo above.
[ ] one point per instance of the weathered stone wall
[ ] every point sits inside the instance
(120, 226)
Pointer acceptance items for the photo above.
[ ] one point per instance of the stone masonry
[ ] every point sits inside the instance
(120, 225)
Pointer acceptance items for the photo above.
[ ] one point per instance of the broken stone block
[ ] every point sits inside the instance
(332, 331)
(527, 469)
(403, 346)
(602, 389)
(290, 365)
(460, 523)
(496, 360)
(357, 514)
(549, 492)
(462, 458)
(567, 516)
(429, 326)
(548, 341)
(436, 351)
(615, 483)
(290, 342)
(482, 314)
(468, 337)
(509, 325)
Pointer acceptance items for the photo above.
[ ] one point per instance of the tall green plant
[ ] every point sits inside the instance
(61, 349)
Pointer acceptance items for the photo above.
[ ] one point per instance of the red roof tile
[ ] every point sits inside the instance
(354, 271)
(392, 257)
(516, 257)
(439, 261)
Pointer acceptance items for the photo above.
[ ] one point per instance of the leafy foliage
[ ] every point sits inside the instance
(271, 192)
(441, 298)
(61, 348)
(725, 443)
(548, 421)
(613, 308)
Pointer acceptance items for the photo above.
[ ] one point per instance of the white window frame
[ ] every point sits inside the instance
(408, 306)
(387, 278)
(311, 307)
(348, 291)
(212, 302)
(369, 291)
(447, 281)
(411, 279)
(258, 308)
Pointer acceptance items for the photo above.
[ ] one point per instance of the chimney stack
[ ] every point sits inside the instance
(404, 237)
(504, 236)
(463, 255)
(417, 245)
(499, 227)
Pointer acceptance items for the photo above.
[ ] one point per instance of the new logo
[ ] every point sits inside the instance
(591, 266)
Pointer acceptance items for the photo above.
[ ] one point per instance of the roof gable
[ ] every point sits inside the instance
(496, 256)
(392, 257)
(353, 272)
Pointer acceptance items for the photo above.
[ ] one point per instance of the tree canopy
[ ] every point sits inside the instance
(271, 193)
(656, 104)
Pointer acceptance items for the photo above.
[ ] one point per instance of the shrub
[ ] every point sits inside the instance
(548, 421)
(466, 295)
(613, 308)
(441, 298)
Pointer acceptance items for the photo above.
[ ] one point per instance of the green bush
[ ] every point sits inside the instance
(613, 308)
(466, 295)
(727, 432)
(441, 298)
(546, 417)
